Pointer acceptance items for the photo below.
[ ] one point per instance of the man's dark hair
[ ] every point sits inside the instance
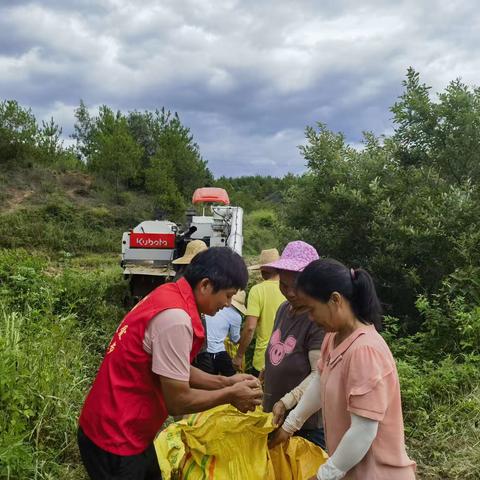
(221, 265)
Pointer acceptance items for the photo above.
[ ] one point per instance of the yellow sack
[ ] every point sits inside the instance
(225, 444)
(297, 459)
(230, 347)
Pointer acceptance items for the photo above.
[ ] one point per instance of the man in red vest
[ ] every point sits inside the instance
(146, 373)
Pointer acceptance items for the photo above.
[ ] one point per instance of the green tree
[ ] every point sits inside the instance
(158, 134)
(116, 156)
(146, 128)
(50, 142)
(416, 121)
(397, 219)
(160, 183)
(457, 146)
(176, 143)
(18, 133)
(84, 132)
(444, 135)
(161, 132)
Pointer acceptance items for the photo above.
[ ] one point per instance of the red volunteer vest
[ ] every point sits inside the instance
(125, 407)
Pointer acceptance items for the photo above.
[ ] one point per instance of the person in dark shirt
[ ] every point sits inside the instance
(294, 347)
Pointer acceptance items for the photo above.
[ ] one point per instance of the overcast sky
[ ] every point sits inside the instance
(245, 76)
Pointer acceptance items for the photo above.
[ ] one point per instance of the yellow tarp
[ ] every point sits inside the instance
(225, 444)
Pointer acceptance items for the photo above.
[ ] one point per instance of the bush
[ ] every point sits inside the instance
(439, 369)
(451, 323)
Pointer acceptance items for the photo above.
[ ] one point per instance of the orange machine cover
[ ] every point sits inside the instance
(210, 194)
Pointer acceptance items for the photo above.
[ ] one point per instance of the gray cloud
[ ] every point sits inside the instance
(245, 76)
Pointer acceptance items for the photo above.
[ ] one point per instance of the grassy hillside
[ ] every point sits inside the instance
(57, 212)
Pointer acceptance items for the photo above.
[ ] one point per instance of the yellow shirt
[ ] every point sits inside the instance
(263, 302)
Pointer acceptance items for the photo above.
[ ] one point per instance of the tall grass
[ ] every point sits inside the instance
(442, 416)
(53, 332)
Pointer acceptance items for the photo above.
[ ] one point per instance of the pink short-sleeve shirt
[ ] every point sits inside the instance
(168, 339)
(360, 376)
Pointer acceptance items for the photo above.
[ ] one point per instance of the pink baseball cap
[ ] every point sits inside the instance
(295, 257)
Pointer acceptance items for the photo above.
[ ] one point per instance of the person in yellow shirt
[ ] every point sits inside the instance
(263, 302)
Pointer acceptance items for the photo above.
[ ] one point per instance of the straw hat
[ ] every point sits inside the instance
(193, 247)
(238, 301)
(267, 256)
(295, 257)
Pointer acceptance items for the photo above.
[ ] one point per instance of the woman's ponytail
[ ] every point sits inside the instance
(365, 301)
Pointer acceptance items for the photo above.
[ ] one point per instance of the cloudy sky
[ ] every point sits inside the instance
(245, 76)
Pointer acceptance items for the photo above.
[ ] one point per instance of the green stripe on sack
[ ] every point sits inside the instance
(191, 419)
(204, 462)
(189, 469)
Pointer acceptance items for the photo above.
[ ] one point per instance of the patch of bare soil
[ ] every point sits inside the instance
(15, 199)
(76, 184)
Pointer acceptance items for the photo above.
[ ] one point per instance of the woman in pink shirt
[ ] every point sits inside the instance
(357, 386)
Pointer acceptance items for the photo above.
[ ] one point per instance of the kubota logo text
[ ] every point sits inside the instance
(152, 240)
(148, 242)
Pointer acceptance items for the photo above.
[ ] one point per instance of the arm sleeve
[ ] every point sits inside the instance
(172, 336)
(254, 306)
(352, 448)
(369, 381)
(307, 406)
(235, 325)
(291, 398)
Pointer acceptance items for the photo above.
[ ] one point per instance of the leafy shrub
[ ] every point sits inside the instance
(439, 369)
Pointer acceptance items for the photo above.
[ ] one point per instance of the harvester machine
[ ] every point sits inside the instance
(149, 248)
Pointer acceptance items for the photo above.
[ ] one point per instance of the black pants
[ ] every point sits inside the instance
(215, 363)
(103, 465)
(314, 435)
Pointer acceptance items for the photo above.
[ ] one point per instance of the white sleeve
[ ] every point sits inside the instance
(306, 407)
(353, 446)
(291, 398)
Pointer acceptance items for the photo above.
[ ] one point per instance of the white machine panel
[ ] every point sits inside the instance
(204, 227)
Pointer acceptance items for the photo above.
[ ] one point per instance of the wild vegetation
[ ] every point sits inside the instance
(406, 207)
